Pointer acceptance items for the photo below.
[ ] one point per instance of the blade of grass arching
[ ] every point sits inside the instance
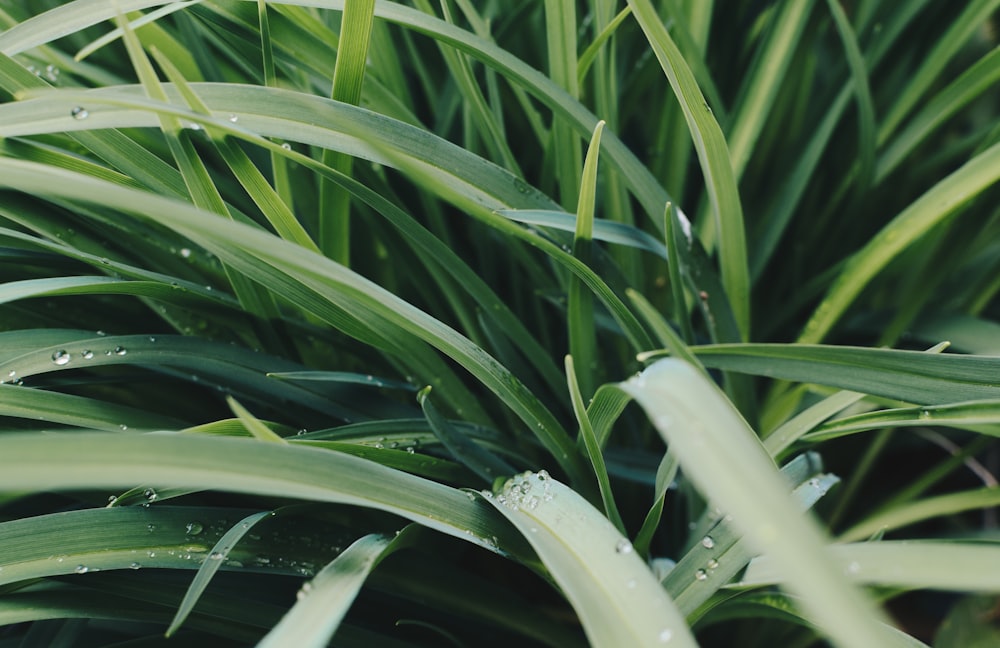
(348, 78)
(253, 424)
(906, 514)
(94, 461)
(240, 370)
(464, 449)
(129, 537)
(590, 53)
(721, 554)
(714, 157)
(782, 437)
(341, 377)
(911, 376)
(932, 208)
(765, 78)
(208, 569)
(74, 411)
(593, 448)
(560, 38)
(722, 455)
(279, 164)
(661, 328)
(323, 602)
(977, 79)
(580, 301)
(373, 308)
(950, 42)
(616, 597)
(267, 199)
(862, 92)
(982, 416)
(607, 405)
(906, 564)
(687, 43)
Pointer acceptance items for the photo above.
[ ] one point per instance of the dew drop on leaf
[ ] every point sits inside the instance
(623, 547)
(79, 112)
(708, 542)
(61, 357)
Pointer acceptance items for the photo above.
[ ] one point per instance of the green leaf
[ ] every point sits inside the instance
(912, 376)
(715, 160)
(211, 565)
(722, 456)
(615, 596)
(323, 602)
(86, 460)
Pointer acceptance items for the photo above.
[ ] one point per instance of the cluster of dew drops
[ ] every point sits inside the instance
(526, 490)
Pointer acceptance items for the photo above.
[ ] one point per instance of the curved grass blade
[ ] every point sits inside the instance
(76, 411)
(604, 230)
(932, 208)
(716, 164)
(341, 377)
(981, 416)
(323, 602)
(616, 597)
(478, 459)
(210, 566)
(904, 514)
(90, 460)
(722, 456)
(905, 564)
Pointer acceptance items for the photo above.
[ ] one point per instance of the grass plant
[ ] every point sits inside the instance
(371, 323)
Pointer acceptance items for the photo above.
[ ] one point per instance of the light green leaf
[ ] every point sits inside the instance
(616, 597)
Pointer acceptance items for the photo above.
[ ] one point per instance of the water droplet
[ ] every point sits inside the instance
(286, 146)
(150, 495)
(152, 339)
(123, 427)
(151, 527)
(854, 567)
(521, 186)
(186, 253)
(666, 635)
(233, 117)
(194, 126)
(216, 555)
(81, 569)
(79, 112)
(410, 450)
(712, 563)
(12, 374)
(112, 499)
(193, 528)
(623, 546)
(61, 357)
(701, 575)
(708, 542)
(88, 354)
(303, 591)
(924, 414)
(134, 565)
(51, 73)
(120, 350)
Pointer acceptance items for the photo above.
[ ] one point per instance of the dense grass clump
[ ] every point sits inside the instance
(321, 321)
